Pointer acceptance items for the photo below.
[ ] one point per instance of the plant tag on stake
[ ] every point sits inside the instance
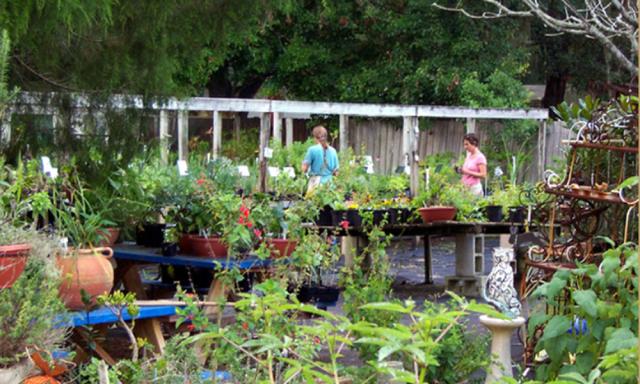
(47, 169)
(289, 171)
(273, 171)
(243, 170)
(368, 164)
(268, 152)
(182, 168)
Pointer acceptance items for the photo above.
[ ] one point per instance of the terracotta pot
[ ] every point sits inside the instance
(185, 243)
(208, 247)
(110, 235)
(431, 214)
(13, 258)
(87, 270)
(281, 247)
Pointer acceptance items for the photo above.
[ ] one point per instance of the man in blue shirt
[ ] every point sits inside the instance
(321, 160)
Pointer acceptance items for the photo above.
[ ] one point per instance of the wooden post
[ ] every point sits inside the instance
(216, 144)
(406, 140)
(471, 125)
(265, 125)
(183, 135)
(414, 156)
(344, 132)
(237, 124)
(277, 126)
(289, 133)
(164, 136)
(542, 149)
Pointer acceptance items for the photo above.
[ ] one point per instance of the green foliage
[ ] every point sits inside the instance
(605, 297)
(31, 306)
(427, 343)
(6, 94)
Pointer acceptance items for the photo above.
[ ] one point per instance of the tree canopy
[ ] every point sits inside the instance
(145, 47)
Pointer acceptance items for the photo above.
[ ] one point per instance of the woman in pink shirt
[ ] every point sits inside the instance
(475, 165)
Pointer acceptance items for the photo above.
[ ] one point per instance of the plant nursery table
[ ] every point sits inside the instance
(147, 324)
(130, 257)
(469, 247)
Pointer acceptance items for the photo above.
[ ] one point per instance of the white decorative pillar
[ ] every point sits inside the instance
(183, 135)
(216, 144)
(344, 133)
(277, 126)
(471, 125)
(164, 136)
(289, 133)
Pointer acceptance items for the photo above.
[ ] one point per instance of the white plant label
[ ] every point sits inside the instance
(289, 171)
(273, 171)
(268, 152)
(243, 170)
(183, 169)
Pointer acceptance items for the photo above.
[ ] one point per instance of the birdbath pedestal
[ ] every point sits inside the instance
(501, 331)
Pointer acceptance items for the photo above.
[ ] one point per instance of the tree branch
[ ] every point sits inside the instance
(603, 22)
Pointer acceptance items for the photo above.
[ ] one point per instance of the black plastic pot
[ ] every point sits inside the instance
(494, 213)
(325, 217)
(150, 235)
(169, 249)
(379, 215)
(517, 214)
(353, 217)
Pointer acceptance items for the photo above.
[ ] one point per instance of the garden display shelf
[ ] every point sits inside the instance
(130, 257)
(586, 193)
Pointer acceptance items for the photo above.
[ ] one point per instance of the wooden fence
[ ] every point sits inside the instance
(382, 139)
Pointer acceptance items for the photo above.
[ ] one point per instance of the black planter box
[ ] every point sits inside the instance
(150, 235)
(318, 294)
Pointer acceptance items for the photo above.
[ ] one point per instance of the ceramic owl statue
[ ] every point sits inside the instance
(499, 290)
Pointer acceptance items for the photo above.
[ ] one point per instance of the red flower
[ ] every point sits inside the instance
(245, 326)
(190, 327)
(257, 232)
(316, 339)
(249, 224)
(344, 224)
(241, 220)
(246, 213)
(200, 181)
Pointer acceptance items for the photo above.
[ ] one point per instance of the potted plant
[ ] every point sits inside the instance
(85, 267)
(31, 307)
(435, 203)
(14, 250)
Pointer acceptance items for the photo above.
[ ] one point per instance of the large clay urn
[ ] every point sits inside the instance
(87, 270)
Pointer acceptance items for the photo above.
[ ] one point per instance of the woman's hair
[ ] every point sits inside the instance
(472, 139)
(320, 133)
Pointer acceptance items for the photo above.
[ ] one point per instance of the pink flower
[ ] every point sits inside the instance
(257, 232)
(249, 224)
(344, 224)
